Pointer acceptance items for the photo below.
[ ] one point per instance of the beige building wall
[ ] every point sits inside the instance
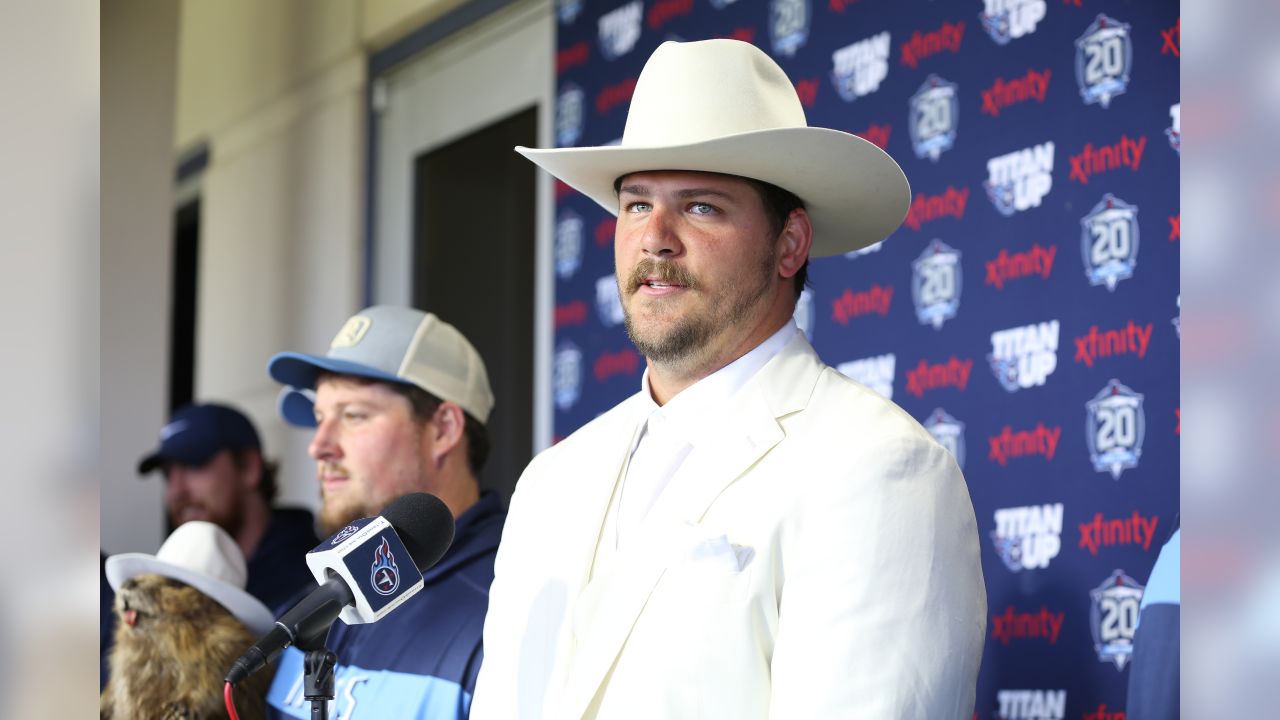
(276, 91)
(138, 51)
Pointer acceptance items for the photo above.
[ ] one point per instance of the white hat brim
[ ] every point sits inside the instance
(245, 607)
(855, 194)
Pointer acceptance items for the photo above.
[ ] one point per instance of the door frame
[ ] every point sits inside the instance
(463, 32)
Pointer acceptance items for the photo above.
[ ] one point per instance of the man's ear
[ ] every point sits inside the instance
(250, 466)
(447, 427)
(794, 242)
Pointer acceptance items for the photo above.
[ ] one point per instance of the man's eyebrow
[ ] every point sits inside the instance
(641, 190)
(703, 192)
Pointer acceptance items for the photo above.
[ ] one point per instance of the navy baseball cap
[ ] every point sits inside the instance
(197, 432)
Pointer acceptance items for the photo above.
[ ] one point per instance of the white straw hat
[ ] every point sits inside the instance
(725, 106)
(205, 557)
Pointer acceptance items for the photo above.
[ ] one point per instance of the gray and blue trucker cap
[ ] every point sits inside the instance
(392, 344)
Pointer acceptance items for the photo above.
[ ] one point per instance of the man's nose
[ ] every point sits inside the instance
(324, 443)
(175, 484)
(658, 236)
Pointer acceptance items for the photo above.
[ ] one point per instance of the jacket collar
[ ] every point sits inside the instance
(476, 533)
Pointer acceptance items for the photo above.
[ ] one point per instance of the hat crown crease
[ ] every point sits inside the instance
(686, 95)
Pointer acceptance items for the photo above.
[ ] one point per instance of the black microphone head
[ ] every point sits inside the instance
(424, 525)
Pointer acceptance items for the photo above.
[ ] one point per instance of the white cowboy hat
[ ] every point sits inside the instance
(725, 106)
(205, 557)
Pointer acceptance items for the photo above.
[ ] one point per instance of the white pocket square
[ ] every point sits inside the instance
(720, 553)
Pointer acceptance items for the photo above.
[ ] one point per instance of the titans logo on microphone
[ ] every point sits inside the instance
(384, 574)
(1104, 57)
(949, 432)
(934, 112)
(1109, 241)
(1115, 428)
(1113, 618)
(935, 285)
(788, 25)
(1174, 131)
(344, 533)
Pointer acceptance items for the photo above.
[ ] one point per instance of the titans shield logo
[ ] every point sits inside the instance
(568, 244)
(1115, 428)
(949, 432)
(1104, 56)
(384, 574)
(934, 112)
(788, 25)
(935, 284)
(1113, 618)
(567, 375)
(344, 533)
(1109, 241)
(569, 115)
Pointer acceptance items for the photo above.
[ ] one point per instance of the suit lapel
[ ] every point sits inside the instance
(601, 473)
(744, 434)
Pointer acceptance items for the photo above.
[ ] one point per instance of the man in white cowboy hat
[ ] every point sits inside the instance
(399, 405)
(752, 534)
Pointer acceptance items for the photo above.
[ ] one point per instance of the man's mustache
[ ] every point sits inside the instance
(664, 271)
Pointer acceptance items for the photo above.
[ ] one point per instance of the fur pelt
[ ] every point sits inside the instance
(173, 647)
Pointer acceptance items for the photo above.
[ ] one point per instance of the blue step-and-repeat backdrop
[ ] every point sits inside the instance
(1026, 312)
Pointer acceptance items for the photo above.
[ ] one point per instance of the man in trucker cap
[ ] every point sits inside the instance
(397, 405)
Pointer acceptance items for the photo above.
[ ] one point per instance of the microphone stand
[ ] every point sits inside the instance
(317, 678)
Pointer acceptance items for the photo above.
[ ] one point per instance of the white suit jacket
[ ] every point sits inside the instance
(818, 558)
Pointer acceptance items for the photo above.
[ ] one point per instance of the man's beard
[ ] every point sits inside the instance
(232, 521)
(368, 499)
(682, 343)
(335, 516)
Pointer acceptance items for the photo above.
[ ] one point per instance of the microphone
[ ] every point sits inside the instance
(365, 570)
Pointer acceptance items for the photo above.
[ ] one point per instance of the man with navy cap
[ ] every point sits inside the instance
(214, 470)
(399, 405)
